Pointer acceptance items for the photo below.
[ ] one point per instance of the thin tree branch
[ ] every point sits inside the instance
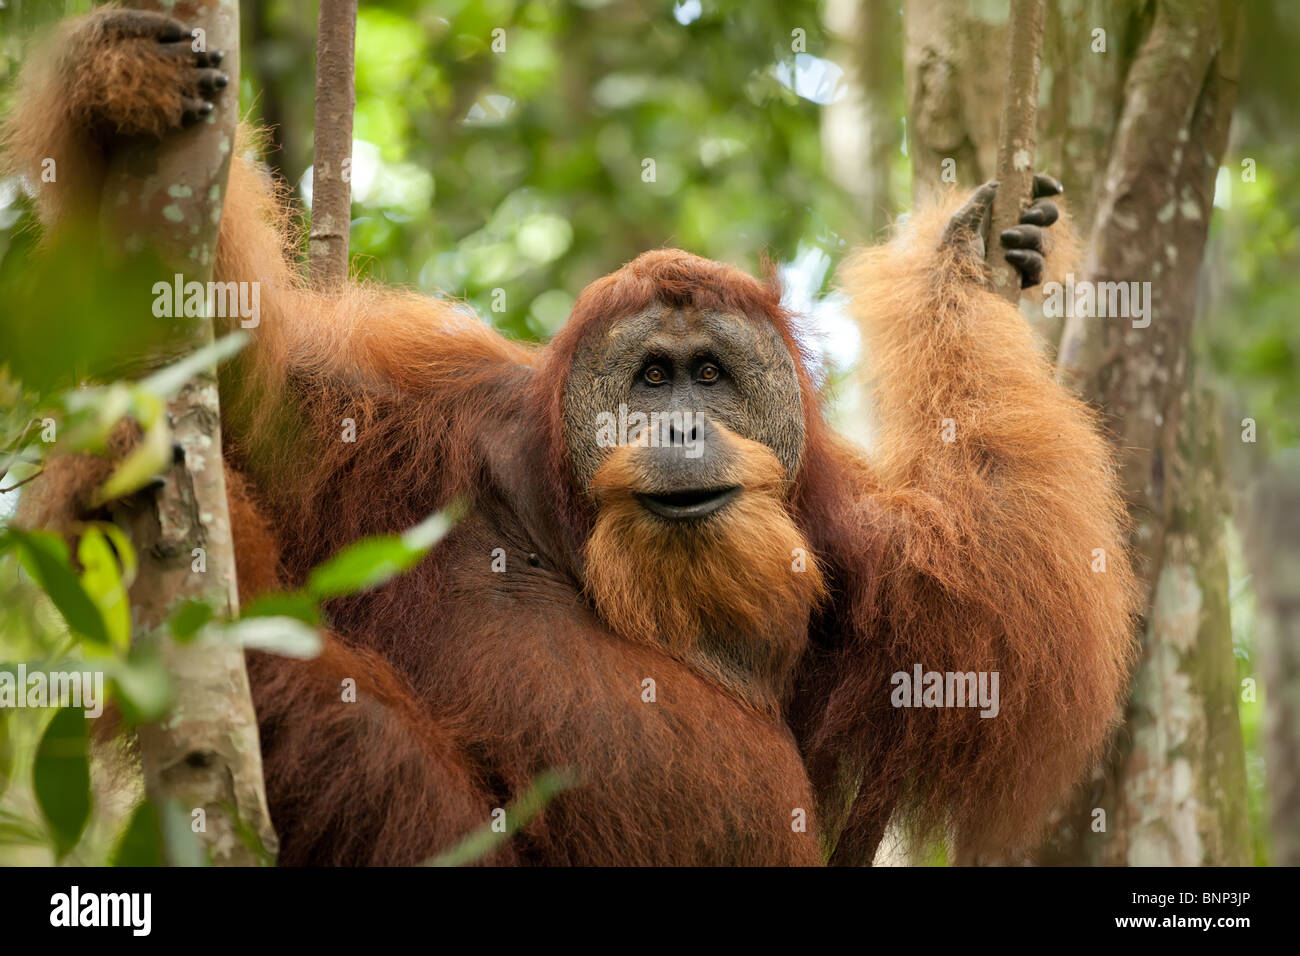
(1016, 138)
(331, 187)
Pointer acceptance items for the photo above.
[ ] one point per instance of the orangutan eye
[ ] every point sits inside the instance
(710, 372)
(655, 375)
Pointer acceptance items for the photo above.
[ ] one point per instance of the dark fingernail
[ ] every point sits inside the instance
(205, 108)
(221, 81)
(215, 56)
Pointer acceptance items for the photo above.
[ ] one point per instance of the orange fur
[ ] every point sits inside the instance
(329, 803)
(65, 490)
(988, 557)
(736, 580)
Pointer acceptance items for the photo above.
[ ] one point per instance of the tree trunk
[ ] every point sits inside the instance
(205, 754)
(1151, 225)
(1174, 790)
(1272, 538)
(331, 180)
(1088, 48)
(954, 70)
(1183, 784)
(956, 67)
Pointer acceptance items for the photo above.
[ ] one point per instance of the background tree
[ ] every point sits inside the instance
(1273, 537)
(1176, 792)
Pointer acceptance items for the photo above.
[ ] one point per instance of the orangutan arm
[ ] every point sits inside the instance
(993, 511)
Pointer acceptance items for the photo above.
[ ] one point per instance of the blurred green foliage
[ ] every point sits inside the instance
(1252, 334)
(521, 169)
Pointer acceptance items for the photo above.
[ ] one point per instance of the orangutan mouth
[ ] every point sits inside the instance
(694, 503)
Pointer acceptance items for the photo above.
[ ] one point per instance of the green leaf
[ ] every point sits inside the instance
(141, 685)
(295, 604)
(62, 777)
(166, 382)
(142, 844)
(45, 557)
(101, 578)
(187, 617)
(122, 546)
(433, 528)
(6, 748)
(147, 460)
(286, 636)
(544, 788)
(372, 561)
(17, 831)
(361, 566)
(57, 332)
(249, 836)
(90, 414)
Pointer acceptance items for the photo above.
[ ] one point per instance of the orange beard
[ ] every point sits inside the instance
(728, 594)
